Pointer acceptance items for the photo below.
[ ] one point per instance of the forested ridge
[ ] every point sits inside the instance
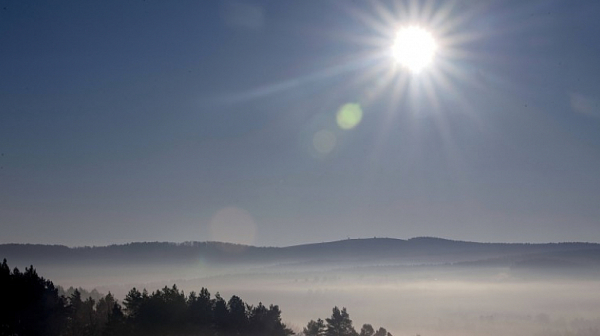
(421, 250)
(32, 305)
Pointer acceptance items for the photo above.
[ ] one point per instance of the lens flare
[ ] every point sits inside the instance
(324, 141)
(349, 116)
(233, 225)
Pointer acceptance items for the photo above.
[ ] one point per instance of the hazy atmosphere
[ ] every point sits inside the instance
(300, 167)
(425, 286)
(275, 123)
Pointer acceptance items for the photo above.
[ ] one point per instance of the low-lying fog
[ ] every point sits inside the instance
(424, 286)
(432, 300)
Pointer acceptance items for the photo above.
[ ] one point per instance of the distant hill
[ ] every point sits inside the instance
(372, 251)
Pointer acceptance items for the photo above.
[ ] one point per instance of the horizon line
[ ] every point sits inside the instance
(301, 244)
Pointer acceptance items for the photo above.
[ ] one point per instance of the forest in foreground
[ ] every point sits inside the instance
(32, 305)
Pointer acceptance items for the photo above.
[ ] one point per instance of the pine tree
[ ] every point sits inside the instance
(315, 328)
(340, 323)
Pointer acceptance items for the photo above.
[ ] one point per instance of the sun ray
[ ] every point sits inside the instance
(369, 21)
(431, 93)
(428, 11)
(385, 14)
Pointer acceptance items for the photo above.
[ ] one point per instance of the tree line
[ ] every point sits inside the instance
(340, 324)
(32, 306)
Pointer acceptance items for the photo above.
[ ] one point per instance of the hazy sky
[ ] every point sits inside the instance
(216, 120)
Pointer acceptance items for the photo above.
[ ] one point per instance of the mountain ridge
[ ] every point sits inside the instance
(196, 242)
(363, 250)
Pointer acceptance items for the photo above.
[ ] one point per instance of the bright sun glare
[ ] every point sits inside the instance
(414, 48)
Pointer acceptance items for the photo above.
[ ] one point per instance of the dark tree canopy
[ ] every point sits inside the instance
(32, 306)
(367, 330)
(315, 328)
(340, 323)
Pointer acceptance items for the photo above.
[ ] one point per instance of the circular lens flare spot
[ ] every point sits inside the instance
(414, 48)
(232, 225)
(349, 115)
(324, 141)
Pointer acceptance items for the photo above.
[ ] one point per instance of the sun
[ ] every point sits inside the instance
(414, 48)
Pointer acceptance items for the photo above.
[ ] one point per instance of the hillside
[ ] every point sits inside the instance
(372, 251)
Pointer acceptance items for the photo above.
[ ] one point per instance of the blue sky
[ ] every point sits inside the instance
(207, 120)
